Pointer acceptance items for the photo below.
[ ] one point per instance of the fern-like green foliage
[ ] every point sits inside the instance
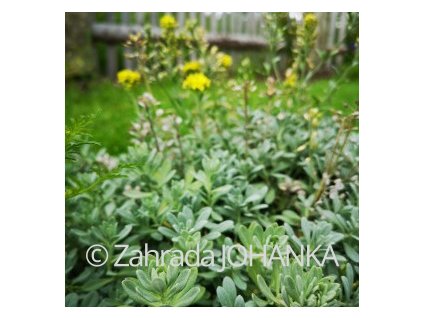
(76, 135)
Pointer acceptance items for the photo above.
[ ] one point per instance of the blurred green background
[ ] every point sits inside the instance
(92, 90)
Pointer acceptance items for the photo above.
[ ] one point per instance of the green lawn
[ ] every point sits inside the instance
(115, 109)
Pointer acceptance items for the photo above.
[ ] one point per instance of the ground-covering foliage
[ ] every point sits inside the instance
(208, 171)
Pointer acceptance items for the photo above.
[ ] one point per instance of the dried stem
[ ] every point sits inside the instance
(150, 120)
(338, 148)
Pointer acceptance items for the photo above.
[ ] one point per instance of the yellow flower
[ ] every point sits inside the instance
(290, 79)
(196, 81)
(225, 60)
(128, 78)
(192, 66)
(168, 22)
(310, 21)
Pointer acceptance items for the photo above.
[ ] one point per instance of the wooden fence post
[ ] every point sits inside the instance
(111, 54)
(129, 63)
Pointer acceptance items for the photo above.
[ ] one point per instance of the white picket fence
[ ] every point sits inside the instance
(235, 31)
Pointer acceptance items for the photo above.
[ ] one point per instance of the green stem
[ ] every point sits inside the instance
(181, 149)
(332, 89)
(328, 169)
(202, 114)
(171, 99)
(246, 88)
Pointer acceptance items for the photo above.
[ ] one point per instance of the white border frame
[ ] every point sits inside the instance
(32, 182)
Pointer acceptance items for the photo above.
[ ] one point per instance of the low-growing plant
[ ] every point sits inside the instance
(165, 285)
(227, 295)
(208, 173)
(292, 286)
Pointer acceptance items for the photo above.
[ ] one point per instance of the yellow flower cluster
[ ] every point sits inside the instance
(196, 81)
(291, 79)
(225, 60)
(168, 22)
(310, 21)
(128, 78)
(192, 66)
